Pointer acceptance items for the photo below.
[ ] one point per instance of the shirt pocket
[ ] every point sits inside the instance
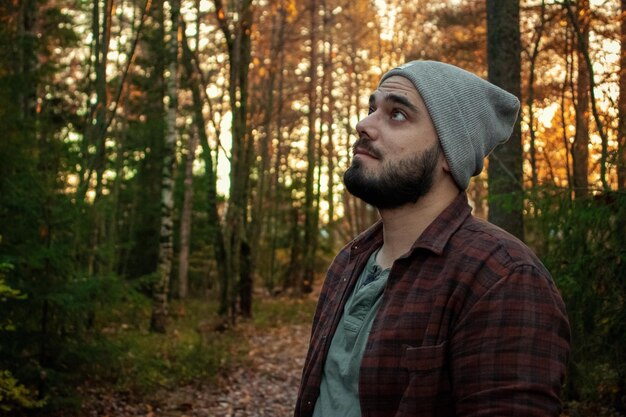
(424, 359)
(428, 389)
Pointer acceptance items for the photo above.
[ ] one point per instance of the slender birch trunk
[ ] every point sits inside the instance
(161, 288)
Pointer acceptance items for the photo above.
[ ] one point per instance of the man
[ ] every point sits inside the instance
(432, 312)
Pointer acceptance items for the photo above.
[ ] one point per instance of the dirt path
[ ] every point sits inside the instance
(266, 386)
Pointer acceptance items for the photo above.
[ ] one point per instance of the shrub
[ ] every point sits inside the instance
(583, 244)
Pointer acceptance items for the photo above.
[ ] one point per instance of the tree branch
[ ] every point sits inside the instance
(131, 60)
(594, 109)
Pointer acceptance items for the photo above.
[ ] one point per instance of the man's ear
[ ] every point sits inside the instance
(444, 163)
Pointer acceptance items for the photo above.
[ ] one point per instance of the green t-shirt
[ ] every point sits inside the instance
(339, 390)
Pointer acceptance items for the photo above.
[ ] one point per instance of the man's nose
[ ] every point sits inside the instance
(367, 126)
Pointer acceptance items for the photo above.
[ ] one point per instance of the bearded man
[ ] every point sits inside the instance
(431, 311)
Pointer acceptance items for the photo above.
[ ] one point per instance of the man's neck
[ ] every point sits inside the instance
(402, 226)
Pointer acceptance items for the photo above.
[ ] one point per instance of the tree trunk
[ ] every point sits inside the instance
(329, 116)
(293, 273)
(276, 191)
(505, 163)
(95, 134)
(621, 131)
(185, 219)
(239, 55)
(310, 223)
(260, 218)
(161, 289)
(142, 220)
(96, 126)
(563, 110)
(113, 253)
(580, 148)
(29, 63)
(99, 127)
(530, 100)
(26, 100)
(194, 73)
(581, 26)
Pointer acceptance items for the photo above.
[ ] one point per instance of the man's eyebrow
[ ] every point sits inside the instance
(398, 99)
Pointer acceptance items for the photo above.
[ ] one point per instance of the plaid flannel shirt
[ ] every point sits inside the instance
(471, 324)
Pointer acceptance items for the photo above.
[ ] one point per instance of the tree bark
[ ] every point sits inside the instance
(194, 74)
(95, 134)
(330, 116)
(621, 131)
(530, 100)
(581, 24)
(96, 130)
(580, 147)
(310, 223)
(567, 53)
(29, 63)
(505, 163)
(99, 127)
(239, 54)
(261, 217)
(158, 322)
(276, 191)
(185, 219)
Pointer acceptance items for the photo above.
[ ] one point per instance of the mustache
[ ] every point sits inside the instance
(366, 144)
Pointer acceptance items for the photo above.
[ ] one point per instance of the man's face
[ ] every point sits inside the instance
(397, 153)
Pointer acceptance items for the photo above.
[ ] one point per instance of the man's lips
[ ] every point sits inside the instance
(361, 151)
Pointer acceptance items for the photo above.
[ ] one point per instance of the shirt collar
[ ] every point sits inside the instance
(439, 232)
(369, 240)
(434, 238)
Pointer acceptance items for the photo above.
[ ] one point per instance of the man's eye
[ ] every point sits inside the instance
(371, 110)
(398, 115)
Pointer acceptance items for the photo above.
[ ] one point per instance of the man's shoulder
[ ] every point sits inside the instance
(482, 229)
(485, 240)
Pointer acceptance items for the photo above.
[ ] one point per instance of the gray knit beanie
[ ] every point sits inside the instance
(471, 115)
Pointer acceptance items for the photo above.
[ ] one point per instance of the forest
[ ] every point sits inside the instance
(171, 173)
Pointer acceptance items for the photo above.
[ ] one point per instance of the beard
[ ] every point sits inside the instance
(400, 183)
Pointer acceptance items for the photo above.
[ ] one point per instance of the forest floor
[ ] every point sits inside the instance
(265, 384)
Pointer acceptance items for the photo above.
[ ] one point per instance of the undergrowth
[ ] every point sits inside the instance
(132, 360)
(272, 312)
